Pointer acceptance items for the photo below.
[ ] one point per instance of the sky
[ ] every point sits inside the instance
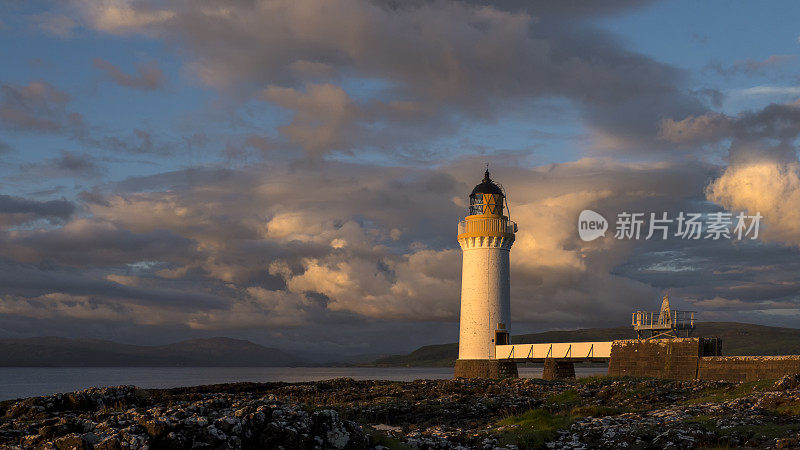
(292, 171)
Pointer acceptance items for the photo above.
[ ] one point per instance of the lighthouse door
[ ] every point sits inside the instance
(501, 337)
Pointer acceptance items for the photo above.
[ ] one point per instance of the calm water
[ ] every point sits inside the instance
(19, 382)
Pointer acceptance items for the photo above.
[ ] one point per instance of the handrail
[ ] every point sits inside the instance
(666, 320)
(487, 225)
(557, 350)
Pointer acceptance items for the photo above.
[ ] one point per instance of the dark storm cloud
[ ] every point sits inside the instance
(31, 281)
(775, 121)
(749, 271)
(441, 62)
(148, 76)
(86, 243)
(19, 209)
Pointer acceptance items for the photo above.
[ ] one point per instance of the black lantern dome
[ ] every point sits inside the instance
(486, 198)
(487, 186)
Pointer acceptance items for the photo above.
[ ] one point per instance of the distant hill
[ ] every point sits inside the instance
(737, 339)
(60, 352)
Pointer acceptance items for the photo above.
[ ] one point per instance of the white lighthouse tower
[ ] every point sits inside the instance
(485, 236)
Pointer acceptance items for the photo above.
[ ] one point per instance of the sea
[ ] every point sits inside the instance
(22, 382)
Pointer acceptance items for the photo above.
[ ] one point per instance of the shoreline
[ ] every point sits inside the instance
(24, 382)
(596, 412)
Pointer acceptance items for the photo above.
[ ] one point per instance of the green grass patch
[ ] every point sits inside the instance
(595, 411)
(533, 428)
(732, 392)
(563, 399)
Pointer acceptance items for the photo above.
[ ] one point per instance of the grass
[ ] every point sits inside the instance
(533, 428)
(596, 411)
(563, 399)
(731, 392)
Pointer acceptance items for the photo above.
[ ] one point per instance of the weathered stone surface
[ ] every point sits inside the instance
(604, 412)
(485, 368)
(747, 368)
(558, 370)
(694, 358)
(660, 358)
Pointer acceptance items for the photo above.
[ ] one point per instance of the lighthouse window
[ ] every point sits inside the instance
(476, 205)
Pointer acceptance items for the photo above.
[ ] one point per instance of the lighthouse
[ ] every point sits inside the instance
(485, 235)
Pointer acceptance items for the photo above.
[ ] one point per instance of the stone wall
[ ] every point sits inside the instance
(694, 358)
(485, 368)
(661, 358)
(747, 368)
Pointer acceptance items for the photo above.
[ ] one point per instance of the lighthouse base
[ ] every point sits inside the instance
(485, 368)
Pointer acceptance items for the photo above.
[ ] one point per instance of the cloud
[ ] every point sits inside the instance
(769, 188)
(323, 253)
(18, 210)
(38, 107)
(324, 116)
(337, 239)
(87, 243)
(148, 75)
(462, 62)
(763, 174)
(301, 248)
(67, 164)
(709, 127)
(123, 16)
(775, 121)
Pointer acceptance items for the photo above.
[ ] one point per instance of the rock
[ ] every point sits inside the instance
(72, 441)
(109, 443)
(791, 381)
(426, 414)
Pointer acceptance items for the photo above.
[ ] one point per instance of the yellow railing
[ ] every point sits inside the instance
(489, 225)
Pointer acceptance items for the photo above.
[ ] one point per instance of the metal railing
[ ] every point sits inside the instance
(487, 225)
(574, 351)
(656, 320)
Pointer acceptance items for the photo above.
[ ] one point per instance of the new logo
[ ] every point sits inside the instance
(591, 225)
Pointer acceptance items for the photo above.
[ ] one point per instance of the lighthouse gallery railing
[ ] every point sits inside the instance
(487, 225)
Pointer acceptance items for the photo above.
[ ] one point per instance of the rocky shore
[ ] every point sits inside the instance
(599, 412)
